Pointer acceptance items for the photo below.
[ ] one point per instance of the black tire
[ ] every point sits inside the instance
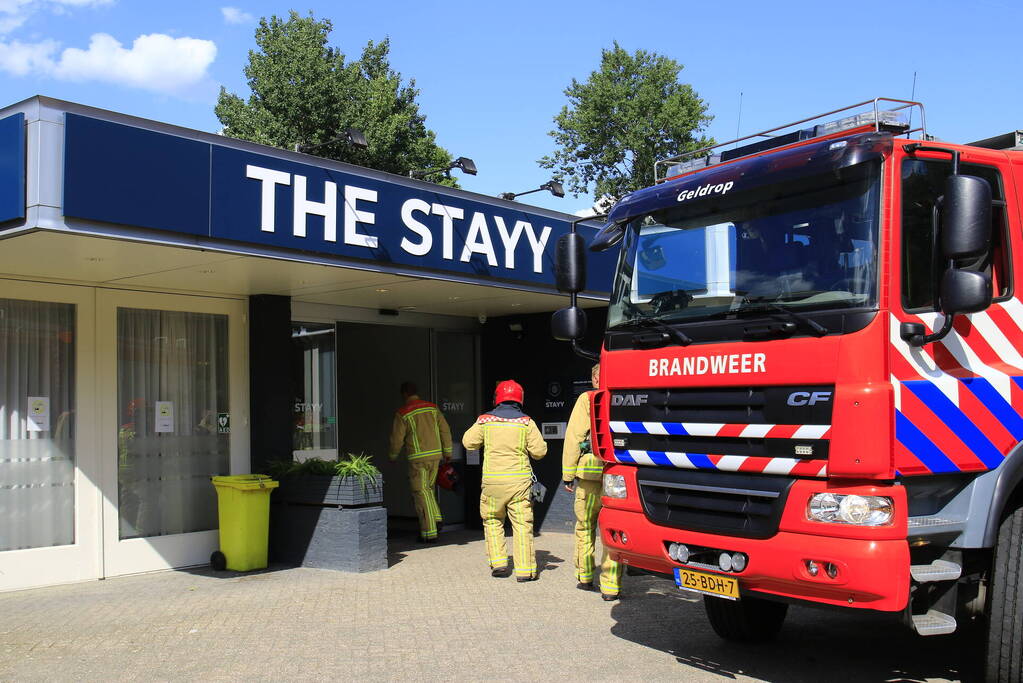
(218, 561)
(749, 620)
(1004, 652)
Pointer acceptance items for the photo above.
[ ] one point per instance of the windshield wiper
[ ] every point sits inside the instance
(761, 305)
(678, 335)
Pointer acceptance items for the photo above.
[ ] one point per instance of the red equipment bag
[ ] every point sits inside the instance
(447, 477)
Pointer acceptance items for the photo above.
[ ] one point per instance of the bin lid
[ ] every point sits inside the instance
(246, 482)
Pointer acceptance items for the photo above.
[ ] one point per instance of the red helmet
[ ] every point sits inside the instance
(447, 477)
(508, 390)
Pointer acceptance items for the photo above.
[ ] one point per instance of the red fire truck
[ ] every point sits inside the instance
(812, 376)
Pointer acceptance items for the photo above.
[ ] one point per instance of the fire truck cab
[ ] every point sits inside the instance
(812, 376)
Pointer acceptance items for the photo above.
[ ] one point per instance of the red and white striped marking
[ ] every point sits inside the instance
(744, 431)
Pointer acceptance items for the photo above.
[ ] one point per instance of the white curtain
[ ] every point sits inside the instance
(172, 385)
(37, 467)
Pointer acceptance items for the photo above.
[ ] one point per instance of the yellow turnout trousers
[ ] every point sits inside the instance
(587, 507)
(511, 499)
(422, 474)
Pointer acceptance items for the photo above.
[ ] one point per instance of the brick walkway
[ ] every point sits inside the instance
(436, 614)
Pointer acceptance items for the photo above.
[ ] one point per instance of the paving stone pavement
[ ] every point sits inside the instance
(435, 614)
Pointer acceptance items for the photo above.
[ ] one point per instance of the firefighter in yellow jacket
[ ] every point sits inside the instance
(582, 472)
(509, 439)
(422, 432)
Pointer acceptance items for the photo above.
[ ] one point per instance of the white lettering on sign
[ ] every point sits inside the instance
(422, 248)
(704, 190)
(537, 245)
(448, 214)
(509, 241)
(327, 208)
(270, 179)
(478, 240)
(416, 216)
(723, 364)
(353, 216)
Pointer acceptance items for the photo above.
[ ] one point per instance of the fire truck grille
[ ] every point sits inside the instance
(759, 422)
(726, 503)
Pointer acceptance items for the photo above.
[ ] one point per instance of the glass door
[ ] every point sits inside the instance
(49, 496)
(458, 398)
(173, 418)
(314, 391)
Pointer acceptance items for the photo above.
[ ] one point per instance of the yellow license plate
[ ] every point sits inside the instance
(709, 584)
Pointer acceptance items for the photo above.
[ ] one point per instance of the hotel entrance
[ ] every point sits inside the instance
(176, 304)
(355, 369)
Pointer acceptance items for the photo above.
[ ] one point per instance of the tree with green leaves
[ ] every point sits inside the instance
(628, 114)
(304, 92)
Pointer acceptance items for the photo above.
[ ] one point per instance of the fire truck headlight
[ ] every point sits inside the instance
(614, 486)
(840, 508)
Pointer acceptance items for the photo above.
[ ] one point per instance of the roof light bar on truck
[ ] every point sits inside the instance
(893, 119)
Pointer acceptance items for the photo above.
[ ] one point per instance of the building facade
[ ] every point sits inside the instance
(176, 305)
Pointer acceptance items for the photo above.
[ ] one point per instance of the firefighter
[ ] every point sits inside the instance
(420, 430)
(509, 439)
(582, 472)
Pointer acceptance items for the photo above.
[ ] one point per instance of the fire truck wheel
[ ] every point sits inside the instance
(1004, 654)
(748, 620)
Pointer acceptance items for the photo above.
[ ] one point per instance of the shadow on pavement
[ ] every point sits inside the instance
(814, 645)
(546, 561)
(208, 571)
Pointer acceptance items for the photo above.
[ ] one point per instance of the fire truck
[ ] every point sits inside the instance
(811, 385)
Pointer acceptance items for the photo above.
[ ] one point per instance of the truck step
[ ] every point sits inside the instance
(934, 623)
(928, 522)
(939, 570)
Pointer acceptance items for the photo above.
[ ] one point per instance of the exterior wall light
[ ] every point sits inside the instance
(351, 136)
(553, 186)
(467, 165)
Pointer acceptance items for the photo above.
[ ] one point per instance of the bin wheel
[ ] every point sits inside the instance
(218, 561)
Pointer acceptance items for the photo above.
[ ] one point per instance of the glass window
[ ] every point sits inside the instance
(172, 391)
(37, 424)
(315, 390)
(809, 244)
(923, 181)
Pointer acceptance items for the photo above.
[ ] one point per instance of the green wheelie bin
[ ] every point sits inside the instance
(243, 502)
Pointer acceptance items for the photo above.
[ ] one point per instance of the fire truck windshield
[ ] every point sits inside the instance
(806, 244)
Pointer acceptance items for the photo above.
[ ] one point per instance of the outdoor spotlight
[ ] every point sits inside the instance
(467, 165)
(553, 186)
(351, 136)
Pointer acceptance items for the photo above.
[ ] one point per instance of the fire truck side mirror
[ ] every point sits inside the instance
(965, 291)
(568, 324)
(966, 218)
(570, 263)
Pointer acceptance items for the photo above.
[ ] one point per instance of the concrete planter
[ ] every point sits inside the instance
(330, 523)
(344, 539)
(321, 489)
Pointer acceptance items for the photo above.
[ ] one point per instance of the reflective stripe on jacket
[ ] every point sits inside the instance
(574, 463)
(509, 439)
(420, 430)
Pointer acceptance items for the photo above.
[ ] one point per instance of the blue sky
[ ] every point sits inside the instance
(492, 75)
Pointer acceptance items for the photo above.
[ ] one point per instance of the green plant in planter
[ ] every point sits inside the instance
(360, 466)
(291, 468)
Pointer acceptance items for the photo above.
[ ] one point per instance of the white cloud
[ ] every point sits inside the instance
(154, 62)
(14, 13)
(22, 59)
(233, 15)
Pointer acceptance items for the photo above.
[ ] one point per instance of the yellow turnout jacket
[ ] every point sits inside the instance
(420, 430)
(576, 464)
(509, 439)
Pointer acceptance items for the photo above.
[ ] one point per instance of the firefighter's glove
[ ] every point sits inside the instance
(569, 486)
